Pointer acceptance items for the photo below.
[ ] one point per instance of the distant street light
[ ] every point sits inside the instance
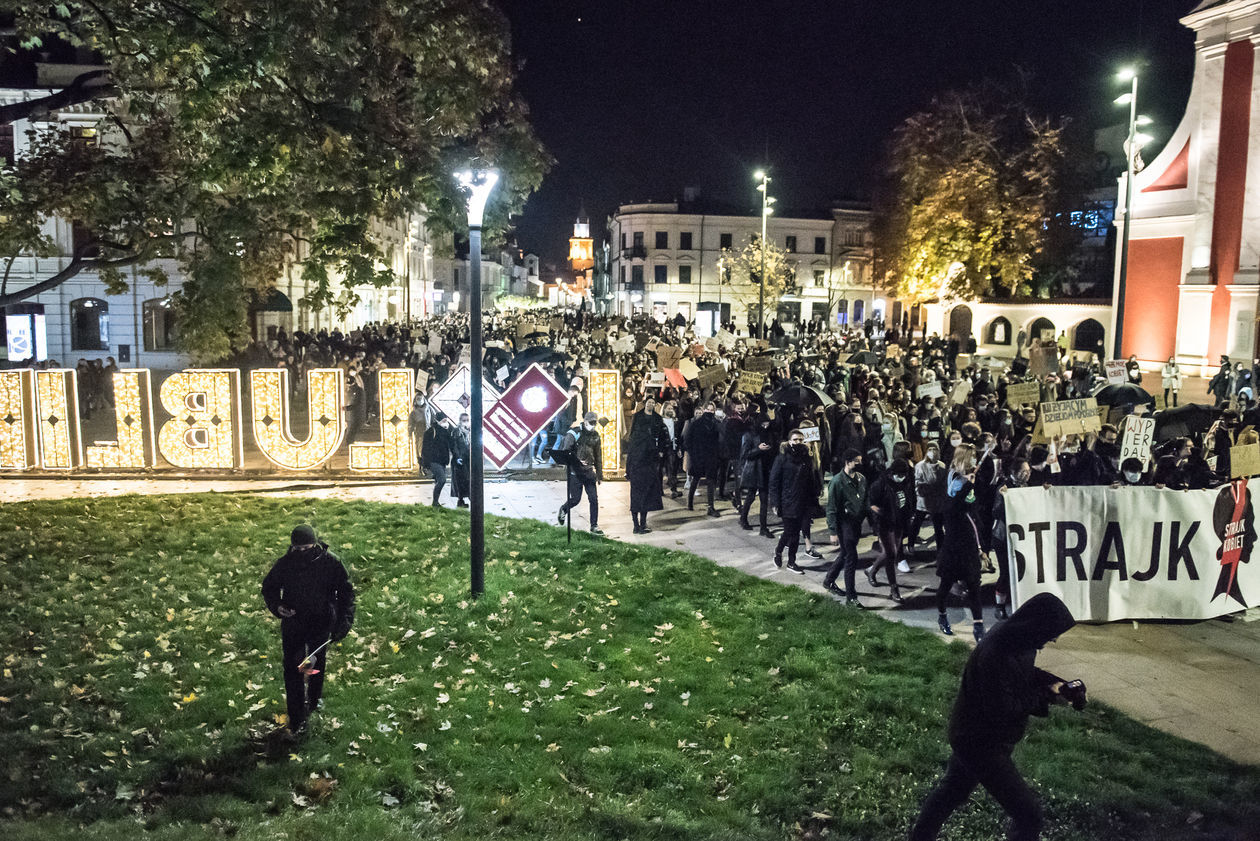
(479, 184)
(766, 210)
(1133, 142)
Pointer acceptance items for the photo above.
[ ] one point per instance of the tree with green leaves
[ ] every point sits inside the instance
(241, 139)
(970, 184)
(745, 271)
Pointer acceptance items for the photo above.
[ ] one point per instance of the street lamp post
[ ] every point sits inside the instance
(766, 201)
(1132, 143)
(479, 183)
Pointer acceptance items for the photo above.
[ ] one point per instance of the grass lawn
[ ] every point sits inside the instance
(599, 690)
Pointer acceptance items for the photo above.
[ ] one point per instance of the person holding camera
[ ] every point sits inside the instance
(309, 591)
(1001, 687)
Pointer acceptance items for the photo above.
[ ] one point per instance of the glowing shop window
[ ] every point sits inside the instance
(19, 449)
(57, 394)
(133, 413)
(394, 451)
(604, 399)
(269, 396)
(203, 432)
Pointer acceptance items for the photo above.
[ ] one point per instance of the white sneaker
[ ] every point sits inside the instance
(902, 566)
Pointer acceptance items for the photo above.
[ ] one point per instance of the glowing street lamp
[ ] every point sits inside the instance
(479, 184)
(766, 210)
(1133, 142)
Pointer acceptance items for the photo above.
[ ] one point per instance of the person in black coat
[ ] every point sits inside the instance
(309, 591)
(794, 489)
(892, 501)
(645, 450)
(1001, 687)
(435, 452)
(959, 558)
(734, 425)
(757, 453)
(461, 461)
(703, 442)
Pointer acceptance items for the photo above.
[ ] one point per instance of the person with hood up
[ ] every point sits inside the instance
(645, 450)
(794, 489)
(1001, 687)
(309, 591)
(892, 506)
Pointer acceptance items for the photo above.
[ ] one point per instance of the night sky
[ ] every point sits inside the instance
(637, 99)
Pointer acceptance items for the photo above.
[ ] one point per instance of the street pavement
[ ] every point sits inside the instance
(1196, 680)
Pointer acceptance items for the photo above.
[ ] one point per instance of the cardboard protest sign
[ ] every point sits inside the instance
(667, 356)
(675, 378)
(1244, 460)
(932, 389)
(653, 343)
(760, 364)
(1017, 394)
(725, 338)
(598, 335)
(711, 344)
(1139, 437)
(712, 377)
(1043, 361)
(688, 369)
(1116, 373)
(624, 345)
(1065, 417)
(961, 390)
(751, 382)
(557, 324)
(435, 344)
(811, 434)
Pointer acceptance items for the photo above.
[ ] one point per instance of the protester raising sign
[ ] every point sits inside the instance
(712, 376)
(932, 389)
(1043, 361)
(1139, 437)
(1017, 394)
(759, 364)
(1116, 372)
(751, 382)
(1065, 417)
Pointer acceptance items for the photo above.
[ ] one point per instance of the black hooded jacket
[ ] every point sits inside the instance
(1001, 685)
(313, 582)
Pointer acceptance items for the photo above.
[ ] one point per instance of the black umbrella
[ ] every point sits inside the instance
(801, 395)
(1184, 421)
(496, 357)
(537, 334)
(1124, 394)
(541, 355)
(863, 357)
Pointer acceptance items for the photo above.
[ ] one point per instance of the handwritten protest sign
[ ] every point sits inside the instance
(961, 390)
(811, 434)
(422, 380)
(711, 344)
(1139, 437)
(751, 382)
(624, 345)
(667, 356)
(712, 377)
(726, 338)
(435, 344)
(1244, 460)
(932, 389)
(1115, 372)
(689, 369)
(656, 379)
(1043, 361)
(1017, 394)
(760, 364)
(1065, 417)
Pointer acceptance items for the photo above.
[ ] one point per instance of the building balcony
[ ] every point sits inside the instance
(634, 252)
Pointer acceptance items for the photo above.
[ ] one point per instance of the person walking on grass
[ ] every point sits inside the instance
(1001, 687)
(959, 558)
(580, 448)
(309, 591)
(794, 489)
(435, 452)
(846, 508)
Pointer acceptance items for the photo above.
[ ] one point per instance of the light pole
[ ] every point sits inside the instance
(1132, 143)
(479, 183)
(766, 210)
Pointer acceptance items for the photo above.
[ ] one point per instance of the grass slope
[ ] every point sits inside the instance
(598, 691)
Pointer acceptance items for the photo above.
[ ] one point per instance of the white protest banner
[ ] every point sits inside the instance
(1134, 553)
(1116, 372)
(932, 389)
(1065, 417)
(1139, 437)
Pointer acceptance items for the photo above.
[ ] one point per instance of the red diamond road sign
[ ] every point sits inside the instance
(523, 410)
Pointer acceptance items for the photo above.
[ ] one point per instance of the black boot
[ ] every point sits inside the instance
(942, 621)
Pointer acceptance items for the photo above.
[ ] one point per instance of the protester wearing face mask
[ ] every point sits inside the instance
(461, 449)
(582, 450)
(959, 559)
(702, 441)
(929, 489)
(1018, 478)
(892, 503)
(1131, 473)
(756, 457)
(847, 507)
(794, 489)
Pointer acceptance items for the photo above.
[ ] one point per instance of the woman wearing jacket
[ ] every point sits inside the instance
(794, 489)
(1171, 375)
(959, 558)
(756, 456)
(892, 504)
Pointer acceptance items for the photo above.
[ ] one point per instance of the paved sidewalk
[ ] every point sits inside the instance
(1196, 680)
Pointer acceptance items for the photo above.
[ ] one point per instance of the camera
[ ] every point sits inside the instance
(1073, 692)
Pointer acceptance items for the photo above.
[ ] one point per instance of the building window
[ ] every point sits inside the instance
(660, 274)
(161, 326)
(820, 245)
(820, 277)
(684, 241)
(842, 312)
(622, 275)
(789, 245)
(662, 239)
(724, 240)
(998, 332)
(623, 240)
(859, 311)
(83, 135)
(638, 239)
(89, 324)
(684, 274)
(7, 148)
(636, 278)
